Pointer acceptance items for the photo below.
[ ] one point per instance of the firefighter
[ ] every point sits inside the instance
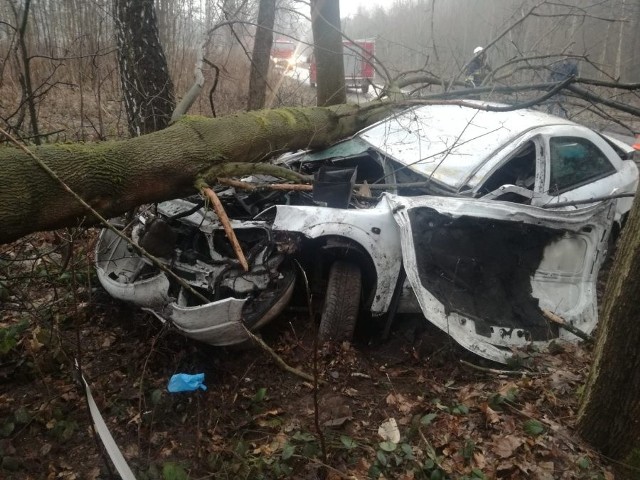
(478, 68)
(560, 71)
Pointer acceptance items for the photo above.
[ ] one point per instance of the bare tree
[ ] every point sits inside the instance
(325, 23)
(28, 97)
(146, 85)
(261, 55)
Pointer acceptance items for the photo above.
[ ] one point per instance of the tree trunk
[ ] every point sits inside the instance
(609, 416)
(261, 54)
(114, 177)
(327, 40)
(146, 85)
(25, 75)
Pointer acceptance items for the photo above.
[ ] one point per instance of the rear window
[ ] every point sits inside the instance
(575, 162)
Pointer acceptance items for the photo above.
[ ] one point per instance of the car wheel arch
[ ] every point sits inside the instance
(341, 248)
(374, 231)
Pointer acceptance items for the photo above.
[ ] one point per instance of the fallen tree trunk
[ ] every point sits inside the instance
(114, 177)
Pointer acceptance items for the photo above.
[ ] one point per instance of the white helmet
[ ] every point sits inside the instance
(477, 50)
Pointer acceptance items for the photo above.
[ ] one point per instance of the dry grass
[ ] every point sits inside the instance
(85, 104)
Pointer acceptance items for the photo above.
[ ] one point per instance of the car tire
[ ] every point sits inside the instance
(341, 303)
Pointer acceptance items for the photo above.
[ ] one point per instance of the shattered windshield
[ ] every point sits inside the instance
(347, 148)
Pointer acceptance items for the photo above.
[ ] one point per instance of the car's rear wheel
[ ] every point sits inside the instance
(341, 303)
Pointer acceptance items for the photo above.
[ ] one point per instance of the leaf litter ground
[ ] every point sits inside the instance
(406, 408)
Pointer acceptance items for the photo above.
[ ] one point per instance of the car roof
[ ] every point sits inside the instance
(449, 142)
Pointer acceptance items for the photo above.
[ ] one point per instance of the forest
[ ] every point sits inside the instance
(108, 108)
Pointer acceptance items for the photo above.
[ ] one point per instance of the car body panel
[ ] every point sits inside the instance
(374, 229)
(216, 323)
(446, 142)
(483, 270)
(624, 179)
(116, 268)
(226, 321)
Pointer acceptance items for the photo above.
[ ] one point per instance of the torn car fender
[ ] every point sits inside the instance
(374, 229)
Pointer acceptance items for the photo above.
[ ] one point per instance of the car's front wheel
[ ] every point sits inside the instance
(341, 303)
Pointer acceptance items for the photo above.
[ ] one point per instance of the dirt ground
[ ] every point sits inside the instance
(456, 418)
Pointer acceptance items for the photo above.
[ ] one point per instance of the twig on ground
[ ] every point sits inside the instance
(515, 373)
(316, 378)
(567, 326)
(326, 466)
(277, 358)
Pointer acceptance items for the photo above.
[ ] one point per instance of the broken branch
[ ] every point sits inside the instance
(567, 326)
(226, 224)
(495, 371)
(264, 186)
(278, 359)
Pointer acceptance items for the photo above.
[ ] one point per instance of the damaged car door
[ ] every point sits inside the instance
(483, 272)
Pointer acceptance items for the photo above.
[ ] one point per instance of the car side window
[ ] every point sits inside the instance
(575, 161)
(519, 170)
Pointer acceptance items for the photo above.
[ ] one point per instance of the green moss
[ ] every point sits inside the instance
(260, 118)
(290, 116)
(193, 119)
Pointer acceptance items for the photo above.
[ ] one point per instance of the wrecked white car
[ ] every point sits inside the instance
(463, 234)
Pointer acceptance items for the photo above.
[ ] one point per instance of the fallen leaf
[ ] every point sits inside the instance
(479, 460)
(93, 474)
(491, 415)
(137, 419)
(350, 392)
(389, 431)
(400, 402)
(131, 451)
(543, 471)
(563, 381)
(504, 446)
(336, 422)
(508, 389)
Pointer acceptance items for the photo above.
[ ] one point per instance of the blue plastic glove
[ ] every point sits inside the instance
(183, 382)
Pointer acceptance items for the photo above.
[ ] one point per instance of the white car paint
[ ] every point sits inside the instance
(564, 281)
(461, 147)
(374, 229)
(449, 142)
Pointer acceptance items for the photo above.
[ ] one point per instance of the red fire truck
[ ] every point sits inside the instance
(358, 64)
(283, 52)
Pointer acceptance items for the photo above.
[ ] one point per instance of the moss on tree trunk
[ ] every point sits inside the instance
(114, 177)
(609, 416)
